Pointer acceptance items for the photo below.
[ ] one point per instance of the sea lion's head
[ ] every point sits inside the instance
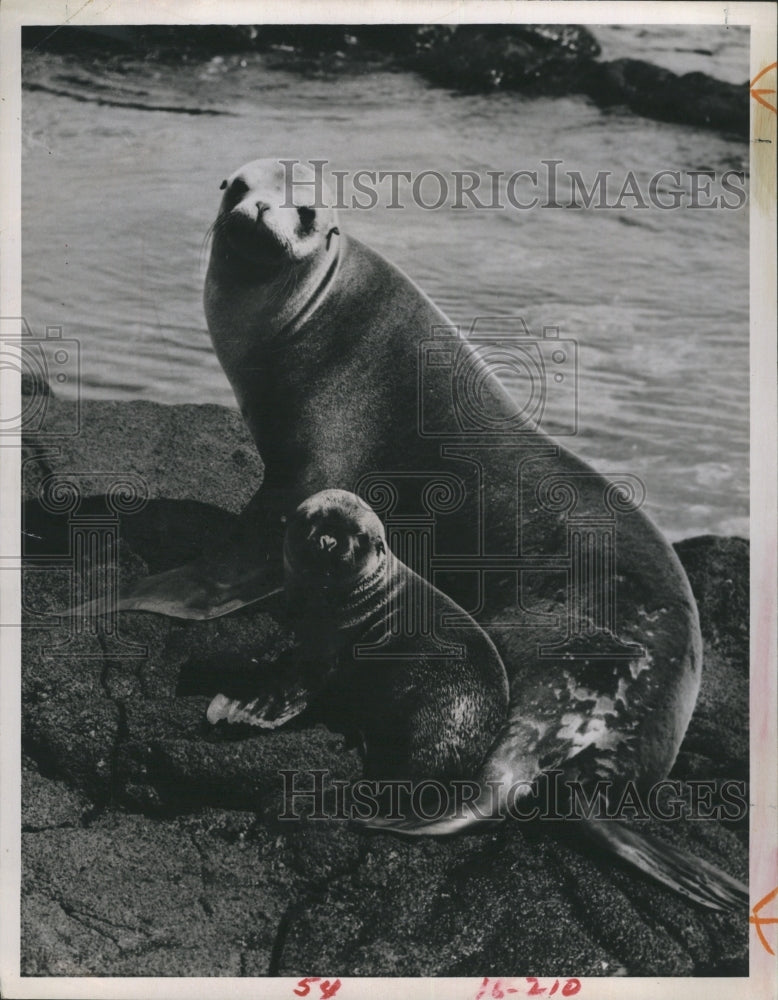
(334, 544)
(273, 215)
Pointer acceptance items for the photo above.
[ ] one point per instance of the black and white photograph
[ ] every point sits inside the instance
(387, 461)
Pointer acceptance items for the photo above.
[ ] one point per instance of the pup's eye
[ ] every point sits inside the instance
(307, 217)
(223, 185)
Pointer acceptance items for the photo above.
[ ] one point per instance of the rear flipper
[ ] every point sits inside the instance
(697, 880)
(684, 873)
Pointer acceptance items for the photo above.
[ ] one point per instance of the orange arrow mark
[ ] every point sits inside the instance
(757, 921)
(756, 93)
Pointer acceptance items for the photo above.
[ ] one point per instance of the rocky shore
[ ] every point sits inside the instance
(531, 59)
(150, 847)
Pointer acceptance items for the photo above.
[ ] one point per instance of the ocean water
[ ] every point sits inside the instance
(117, 202)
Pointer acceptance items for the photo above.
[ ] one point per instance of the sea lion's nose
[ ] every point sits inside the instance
(262, 207)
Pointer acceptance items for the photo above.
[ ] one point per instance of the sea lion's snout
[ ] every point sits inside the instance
(333, 543)
(253, 227)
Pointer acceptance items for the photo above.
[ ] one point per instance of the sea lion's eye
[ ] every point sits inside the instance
(307, 218)
(236, 189)
(223, 185)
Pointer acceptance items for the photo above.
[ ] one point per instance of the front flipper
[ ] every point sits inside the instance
(272, 696)
(686, 874)
(195, 591)
(265, 711)
(236, 569)
(192, 591)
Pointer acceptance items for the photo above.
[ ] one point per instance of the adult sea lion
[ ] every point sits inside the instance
(433, 703)
(349, 377)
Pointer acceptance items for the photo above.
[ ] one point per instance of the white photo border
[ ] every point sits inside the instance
(761, 17)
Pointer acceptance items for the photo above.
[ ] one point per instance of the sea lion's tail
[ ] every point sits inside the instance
(686, 874)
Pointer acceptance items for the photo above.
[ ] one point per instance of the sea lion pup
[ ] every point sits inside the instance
(422, 704)
(424, 714)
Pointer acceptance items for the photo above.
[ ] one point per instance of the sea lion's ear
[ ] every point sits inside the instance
(223, 185)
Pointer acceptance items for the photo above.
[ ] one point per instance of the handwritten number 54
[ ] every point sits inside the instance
(328, 989)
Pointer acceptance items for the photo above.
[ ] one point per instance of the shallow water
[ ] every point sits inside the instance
(117, 201)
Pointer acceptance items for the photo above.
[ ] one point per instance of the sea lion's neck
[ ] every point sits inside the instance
(353, 610)
(309, 292)
(287, 297)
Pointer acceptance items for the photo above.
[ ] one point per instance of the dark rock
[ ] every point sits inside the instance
(47, 803)
(69, 725)
(202, 877)
(691, 99)
(718, 570)
(543, 59)
(530, 58)
(131, 896)
(176, 452)
(171, 42)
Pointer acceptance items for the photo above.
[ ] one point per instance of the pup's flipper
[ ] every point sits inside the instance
(272, 696)
(268, 711)
(684, 873)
